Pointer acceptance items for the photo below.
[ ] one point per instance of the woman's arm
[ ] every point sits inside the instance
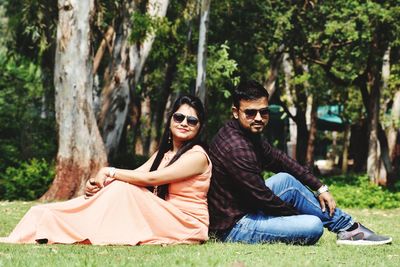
(188, 165)
(147, 165)
(93, 185)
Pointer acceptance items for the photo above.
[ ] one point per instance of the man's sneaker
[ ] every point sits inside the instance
(361, 236)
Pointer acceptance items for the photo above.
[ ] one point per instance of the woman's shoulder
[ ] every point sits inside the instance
(198, 148)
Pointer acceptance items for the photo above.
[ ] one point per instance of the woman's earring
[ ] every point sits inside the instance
(169, 137)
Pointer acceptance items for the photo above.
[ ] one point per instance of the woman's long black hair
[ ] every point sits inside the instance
(166, 143)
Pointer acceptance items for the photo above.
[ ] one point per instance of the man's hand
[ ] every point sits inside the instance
(326, 199)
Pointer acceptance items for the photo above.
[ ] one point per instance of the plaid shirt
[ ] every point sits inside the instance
(237, 187)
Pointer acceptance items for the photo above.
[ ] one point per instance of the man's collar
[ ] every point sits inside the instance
(236, 125)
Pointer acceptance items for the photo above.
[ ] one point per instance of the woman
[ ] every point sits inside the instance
(118, 208)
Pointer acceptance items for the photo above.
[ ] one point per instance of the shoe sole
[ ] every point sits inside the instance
(363, 242)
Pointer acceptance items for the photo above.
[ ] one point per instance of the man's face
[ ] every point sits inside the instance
(253, 115)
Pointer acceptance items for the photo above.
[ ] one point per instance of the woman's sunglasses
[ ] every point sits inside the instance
(191, 120)
(252, 113)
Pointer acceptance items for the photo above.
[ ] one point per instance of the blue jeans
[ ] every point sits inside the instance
(304, 229)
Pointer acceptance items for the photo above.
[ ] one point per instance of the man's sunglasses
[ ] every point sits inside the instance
(252, 113)
(191, 120)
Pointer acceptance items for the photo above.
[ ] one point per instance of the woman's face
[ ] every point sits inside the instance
(184, 124)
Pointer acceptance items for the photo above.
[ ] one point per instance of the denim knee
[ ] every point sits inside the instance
(282, 177)
(315, 230)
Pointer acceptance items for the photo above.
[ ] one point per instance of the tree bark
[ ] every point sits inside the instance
(116, 95)
(128, 63)
(395, 124)
(312, 135)
(300, 117)
(105, 43)
(345, 155)
(202, 51)
(162, 102)
(287, 67)
(80, 149)
(373, 157)
(274, 65)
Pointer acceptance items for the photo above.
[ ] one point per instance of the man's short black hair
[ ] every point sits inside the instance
(248, 90)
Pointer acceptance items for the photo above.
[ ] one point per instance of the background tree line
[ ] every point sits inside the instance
(89, 83)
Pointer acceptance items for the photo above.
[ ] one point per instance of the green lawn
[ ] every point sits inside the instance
(325, 253)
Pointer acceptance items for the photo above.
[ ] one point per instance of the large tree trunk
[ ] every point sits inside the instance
(116, 95)
(80, 150)
(378, 148)
(202, 51)
(129, 60)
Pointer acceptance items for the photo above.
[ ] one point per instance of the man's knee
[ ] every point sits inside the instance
(314, 230)
(281, 177)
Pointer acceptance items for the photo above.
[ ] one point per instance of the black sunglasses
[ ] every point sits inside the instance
(252, 113)
(191, 120)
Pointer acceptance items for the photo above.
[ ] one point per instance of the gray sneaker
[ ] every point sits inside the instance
(361, 236)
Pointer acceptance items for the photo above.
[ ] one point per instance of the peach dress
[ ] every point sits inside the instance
(122, 213)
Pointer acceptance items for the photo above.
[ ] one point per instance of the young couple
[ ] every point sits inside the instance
(119, 208)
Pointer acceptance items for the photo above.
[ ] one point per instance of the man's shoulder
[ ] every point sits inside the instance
(229, 137)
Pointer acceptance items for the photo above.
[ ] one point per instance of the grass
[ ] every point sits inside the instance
(325, 253)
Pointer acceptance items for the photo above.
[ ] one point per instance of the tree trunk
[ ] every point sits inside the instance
(202, 51)
(128, 61)
(162, 102)
(80, 150)
(312, 135)
(287, 68)
(393, 127)
(300, 118)
(276, 61)
(107, 42)
(345, 154)
(374, 82)
(395, 124)
(145, 125)
(373, 156)
(116, 95)
(302, 136)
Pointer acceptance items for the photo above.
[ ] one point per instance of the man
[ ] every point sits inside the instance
(245, 208)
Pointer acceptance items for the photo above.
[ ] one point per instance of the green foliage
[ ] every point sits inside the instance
(27, 121)
(33, 26)
(144, 25)
(356, 191)
(28, 181)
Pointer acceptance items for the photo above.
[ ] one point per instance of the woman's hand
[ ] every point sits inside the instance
(101, 177)
(91, 188)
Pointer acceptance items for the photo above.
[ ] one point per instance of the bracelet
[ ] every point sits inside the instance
(111, 171)
(324, 188)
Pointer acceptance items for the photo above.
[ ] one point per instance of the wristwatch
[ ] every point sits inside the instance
(324, 188)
